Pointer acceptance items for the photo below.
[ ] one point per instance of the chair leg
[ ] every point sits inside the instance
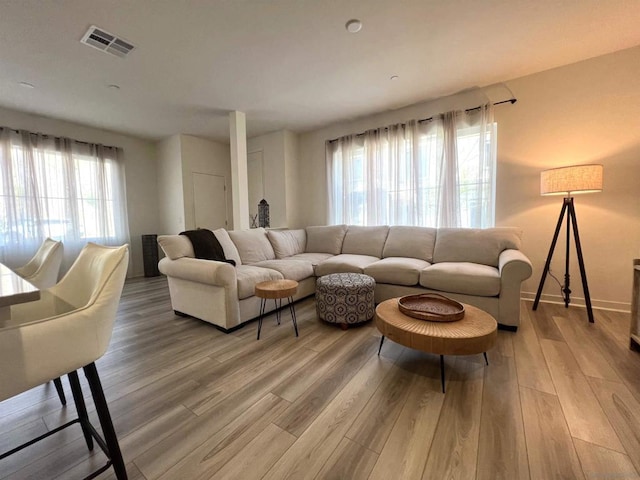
(58, 384)
(108, 431)
(81, 408)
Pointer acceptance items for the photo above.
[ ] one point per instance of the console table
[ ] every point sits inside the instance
(634, 342)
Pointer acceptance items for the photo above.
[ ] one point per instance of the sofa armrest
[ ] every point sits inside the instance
(514, 266)
(209, 272)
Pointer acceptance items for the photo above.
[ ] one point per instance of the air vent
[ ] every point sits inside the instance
(107, 42)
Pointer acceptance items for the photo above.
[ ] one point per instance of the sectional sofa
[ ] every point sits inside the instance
(482, 267)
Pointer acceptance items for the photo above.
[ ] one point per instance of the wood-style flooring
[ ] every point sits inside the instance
(559, 399)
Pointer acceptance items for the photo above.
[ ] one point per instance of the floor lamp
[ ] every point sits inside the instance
(568, 181)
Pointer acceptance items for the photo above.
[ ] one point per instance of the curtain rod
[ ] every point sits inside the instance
(510, 100)
(58, 138)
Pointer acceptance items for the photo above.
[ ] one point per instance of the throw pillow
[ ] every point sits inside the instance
(175, 246)
(253, 245)
(325, 239)
(286, 243)
(230, 250)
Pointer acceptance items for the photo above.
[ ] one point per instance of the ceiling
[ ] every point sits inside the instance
(285, 63)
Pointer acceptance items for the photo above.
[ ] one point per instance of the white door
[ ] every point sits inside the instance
(209, 201)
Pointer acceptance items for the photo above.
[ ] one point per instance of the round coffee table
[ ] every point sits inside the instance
(276, 290)
(473, 334)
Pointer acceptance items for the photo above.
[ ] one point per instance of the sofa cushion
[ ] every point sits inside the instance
(414, 242)
(313, 258)
(325, 239)
(344, 263)
(365, 240)
(396, 270)
(475, 245)
(253, 245)
(230, 250)
(462, 277)
(249, 275)
(287, 242)
(176, 246)
(296, 270)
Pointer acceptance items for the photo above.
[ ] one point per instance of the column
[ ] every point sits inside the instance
(239, 178)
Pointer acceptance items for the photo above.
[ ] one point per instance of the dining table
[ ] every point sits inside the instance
(13, 290)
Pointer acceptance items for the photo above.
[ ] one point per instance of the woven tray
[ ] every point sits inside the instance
(432, 307)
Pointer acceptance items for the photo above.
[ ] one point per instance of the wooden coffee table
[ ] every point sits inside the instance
(277, 290)
(474, 334)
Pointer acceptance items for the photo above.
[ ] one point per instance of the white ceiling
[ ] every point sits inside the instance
(285, 63)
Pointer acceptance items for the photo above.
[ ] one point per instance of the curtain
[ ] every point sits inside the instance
(439, 172)
(59, 188)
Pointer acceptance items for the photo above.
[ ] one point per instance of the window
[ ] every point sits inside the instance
(58, 188)
(429, 174)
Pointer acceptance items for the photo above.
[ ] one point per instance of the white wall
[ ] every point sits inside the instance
(179, 156)
(272, 146)
(291, 176)
(170, 191)
(582, 113)
(204, 156)
(140, 168)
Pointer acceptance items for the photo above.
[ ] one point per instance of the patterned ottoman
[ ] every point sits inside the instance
(345, 298)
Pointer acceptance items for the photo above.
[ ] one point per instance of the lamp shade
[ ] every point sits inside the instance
(574, 179)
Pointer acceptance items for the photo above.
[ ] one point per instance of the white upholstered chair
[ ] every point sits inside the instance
(43, 269)
(67, 329)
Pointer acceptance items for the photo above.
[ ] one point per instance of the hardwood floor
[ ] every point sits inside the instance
(559, 399)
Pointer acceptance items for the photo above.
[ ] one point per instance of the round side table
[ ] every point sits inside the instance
(277, 290)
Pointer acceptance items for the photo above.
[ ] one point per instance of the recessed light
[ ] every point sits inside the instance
(394, 77)
(353, 26)
(26, 85)
(113, 86)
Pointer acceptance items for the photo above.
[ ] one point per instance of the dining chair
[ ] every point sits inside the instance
(43, 271)
(68, 329)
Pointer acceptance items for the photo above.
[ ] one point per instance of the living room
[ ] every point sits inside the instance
(576, 109)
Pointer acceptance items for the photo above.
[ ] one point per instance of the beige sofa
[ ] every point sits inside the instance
(482, 267)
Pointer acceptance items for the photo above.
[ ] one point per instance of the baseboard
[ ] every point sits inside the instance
(579, 302)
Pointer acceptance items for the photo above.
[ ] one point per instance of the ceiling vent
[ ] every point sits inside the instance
(106, 42)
